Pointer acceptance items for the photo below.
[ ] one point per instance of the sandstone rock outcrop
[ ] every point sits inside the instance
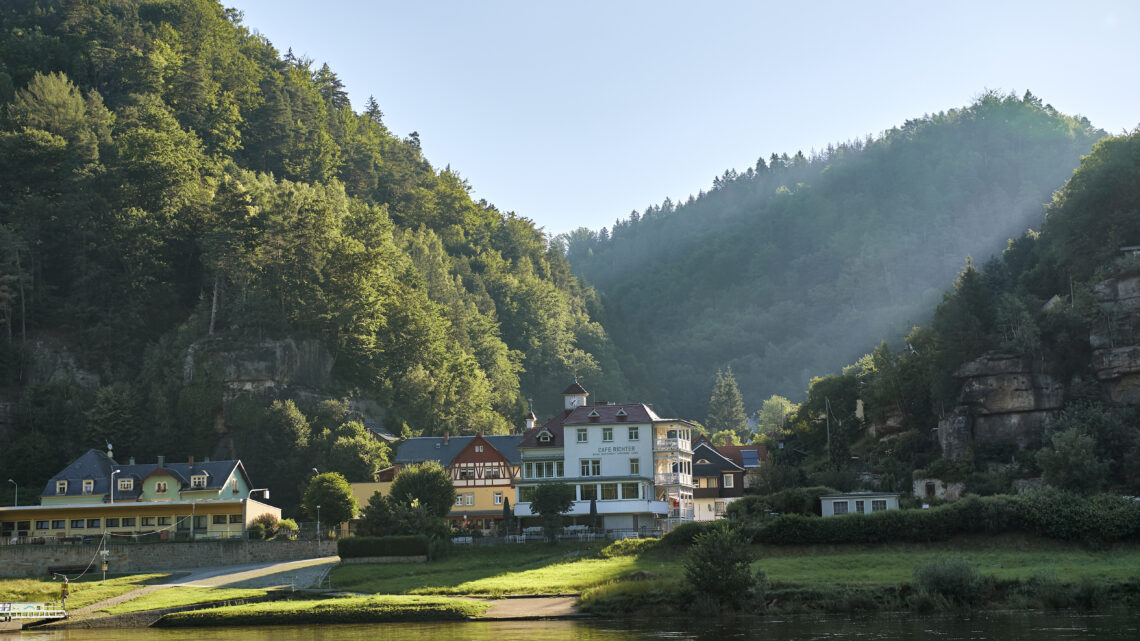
(1116, 338)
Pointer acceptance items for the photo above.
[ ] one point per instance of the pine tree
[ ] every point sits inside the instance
(726, 407)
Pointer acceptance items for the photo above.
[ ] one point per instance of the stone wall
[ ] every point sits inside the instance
(34, 560)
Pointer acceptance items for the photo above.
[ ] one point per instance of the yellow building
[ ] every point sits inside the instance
(177, 501)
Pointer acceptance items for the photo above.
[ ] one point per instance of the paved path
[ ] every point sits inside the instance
(300, 574)
(533, 608)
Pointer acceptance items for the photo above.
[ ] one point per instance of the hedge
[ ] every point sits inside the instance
(1050, 514)
(360, 546)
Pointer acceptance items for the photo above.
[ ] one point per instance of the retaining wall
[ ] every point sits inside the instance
(34, 560)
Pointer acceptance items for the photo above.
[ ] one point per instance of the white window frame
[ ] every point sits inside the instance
(590, 467)
(835, 507)
(634, 467)
(160, 487)
(126, 485)
(198, 482)
(583, 435)
(727, 480)
(469, 498)
(498, 498)
(634, 435)
(61, 487)
(607, 434)
(88, 486)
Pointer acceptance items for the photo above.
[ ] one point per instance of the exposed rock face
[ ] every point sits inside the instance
(1003, 398)
(937, 488)
(1116, 353)
(51, 362)
(263, 367)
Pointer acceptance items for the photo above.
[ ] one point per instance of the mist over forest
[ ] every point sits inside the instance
(797, 266)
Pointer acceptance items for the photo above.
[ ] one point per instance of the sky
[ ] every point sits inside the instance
(573, 114)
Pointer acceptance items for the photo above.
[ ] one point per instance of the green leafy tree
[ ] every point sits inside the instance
(551, 501)
(333, 494)
(773, 414)
(718, 564)
(1071, 463)
(427, 483)
(726, 407)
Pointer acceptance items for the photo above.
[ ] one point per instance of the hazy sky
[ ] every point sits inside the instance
(574, 113)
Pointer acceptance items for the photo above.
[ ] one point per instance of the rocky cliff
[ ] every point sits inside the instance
(1115, 339)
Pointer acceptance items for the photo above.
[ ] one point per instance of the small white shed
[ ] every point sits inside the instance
(858, 503)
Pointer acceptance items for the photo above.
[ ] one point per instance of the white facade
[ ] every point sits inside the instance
(857, 503)
(639, 474)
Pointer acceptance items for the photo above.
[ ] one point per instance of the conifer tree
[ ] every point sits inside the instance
(726, 407)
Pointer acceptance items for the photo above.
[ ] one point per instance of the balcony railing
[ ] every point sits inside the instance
(671, 445)
(681, 513)
(672, 479)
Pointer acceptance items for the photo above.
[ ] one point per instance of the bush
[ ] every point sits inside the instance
(255, 531)
(628, 547)
(718, 564)
(684, 533)
(365, 546)
(287, 529)
(954, 580)
(268, 523)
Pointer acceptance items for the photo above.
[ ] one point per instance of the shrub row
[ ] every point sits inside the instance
(359, 546)
(1051, 514)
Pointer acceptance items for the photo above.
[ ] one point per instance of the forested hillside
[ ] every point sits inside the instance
(1058, 310)
(171, 184)
(798, 265)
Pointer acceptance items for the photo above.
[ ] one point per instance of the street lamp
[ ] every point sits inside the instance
(113, 473)
(16, 499)
(263, 490)
(318, 524)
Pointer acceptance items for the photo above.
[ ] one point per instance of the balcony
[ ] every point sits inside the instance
(672, 445)
(613, 506)
(685, 514)
(672, 479)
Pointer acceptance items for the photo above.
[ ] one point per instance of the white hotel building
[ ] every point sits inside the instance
(636, 466)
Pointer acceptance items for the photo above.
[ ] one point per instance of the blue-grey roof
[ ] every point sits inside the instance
(436, 448)
(717, 462)
(97, 466)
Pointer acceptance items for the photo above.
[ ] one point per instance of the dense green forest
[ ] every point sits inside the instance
(798, 265)
(171, 184)
(1036, 301)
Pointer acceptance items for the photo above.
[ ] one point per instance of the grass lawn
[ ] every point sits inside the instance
(573, 568)
(90, 589)
(1002, 558)
(370, 609)
(178, 596)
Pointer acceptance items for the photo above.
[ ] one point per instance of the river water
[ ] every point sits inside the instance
(995, 626)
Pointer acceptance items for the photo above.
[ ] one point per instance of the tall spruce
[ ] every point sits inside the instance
(726, 407)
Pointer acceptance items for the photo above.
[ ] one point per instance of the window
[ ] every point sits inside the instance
(633, 435)
(459, 499)
(233, 486)
(478, 448)
(591, 467)
(160, 487)
(61, 487)
(609, 491)
(199, 522)
(492, 473)
(198, 482)
(582, 438)
(498, 498)
(588, 492)
(878, 506)
(181, 522)
(88, 486)
(164, 520)
(607, 434)
(708, 482)
(148, 521)
(112, 522)
(93, 523)
(469, 499)
(129, 521)
(58, 524)
(41, 525)
(728, 480)
(77, 524)
(235, 518)
(526, 493)
(634, 466)
(544, 437)
(629, 490)
(466, 474)
(840, 507)
(219, 519)
(859, 507)
(126, 485)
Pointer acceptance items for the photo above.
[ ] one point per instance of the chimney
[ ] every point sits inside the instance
(161, 460)
(205, 459)
(446, 437)
(530, 420)
(190, 462)
(131, 461)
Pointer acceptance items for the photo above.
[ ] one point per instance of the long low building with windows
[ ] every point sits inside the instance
(176, 501)
(634, 467)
